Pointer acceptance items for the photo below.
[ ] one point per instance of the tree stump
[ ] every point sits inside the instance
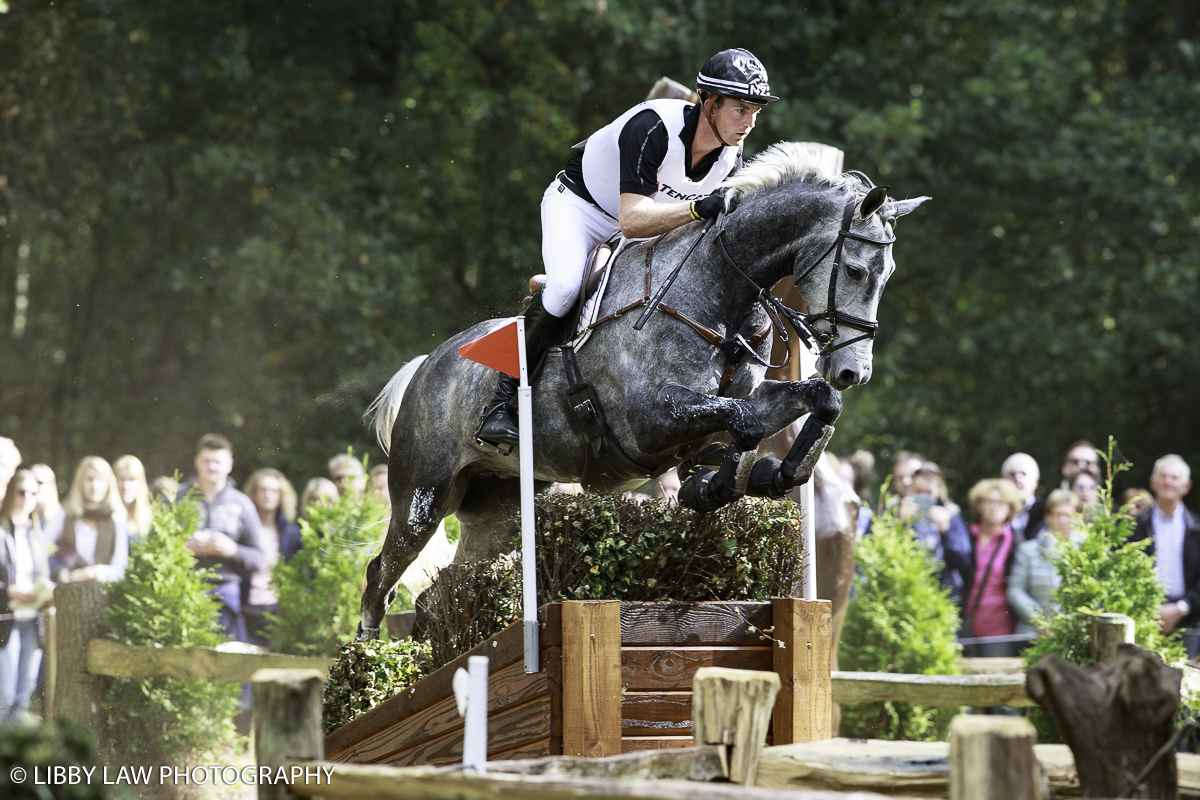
(733, 707)
(1115, 717)
(991, 758)
(1108, 632)
(287, 721)
(82, 615)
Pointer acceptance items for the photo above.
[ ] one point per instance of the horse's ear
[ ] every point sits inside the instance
(873, 201)
(901, 207)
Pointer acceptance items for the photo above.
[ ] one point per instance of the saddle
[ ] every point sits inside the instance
(582, 316)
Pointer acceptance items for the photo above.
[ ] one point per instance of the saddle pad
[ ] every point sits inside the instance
(591, 307)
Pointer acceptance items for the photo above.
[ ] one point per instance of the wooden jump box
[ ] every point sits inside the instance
(616, 677)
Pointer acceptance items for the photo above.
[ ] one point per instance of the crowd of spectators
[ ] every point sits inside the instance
(998, 569)
(85, 536)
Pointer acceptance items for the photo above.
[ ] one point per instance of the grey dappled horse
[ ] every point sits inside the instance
(658, 386)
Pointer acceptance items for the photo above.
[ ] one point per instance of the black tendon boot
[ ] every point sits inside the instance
(498, 426)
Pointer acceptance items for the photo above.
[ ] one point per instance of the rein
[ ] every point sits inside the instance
(803, 323)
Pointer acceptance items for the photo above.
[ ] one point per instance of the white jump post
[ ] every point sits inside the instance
(528, 554)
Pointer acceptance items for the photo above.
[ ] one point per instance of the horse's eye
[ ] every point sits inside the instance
(855, 273)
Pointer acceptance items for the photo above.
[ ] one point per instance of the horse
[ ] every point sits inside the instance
(644, 401)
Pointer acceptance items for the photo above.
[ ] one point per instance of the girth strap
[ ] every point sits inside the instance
(589, 414)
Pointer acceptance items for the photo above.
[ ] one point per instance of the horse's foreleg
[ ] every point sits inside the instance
(779, 400)
(692, 415)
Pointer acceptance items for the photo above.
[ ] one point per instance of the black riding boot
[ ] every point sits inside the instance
(498, 426)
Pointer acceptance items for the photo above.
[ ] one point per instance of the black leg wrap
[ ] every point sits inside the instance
(765, 479)
(801, 460)
(706, 490)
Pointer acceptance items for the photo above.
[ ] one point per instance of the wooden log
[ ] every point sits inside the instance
(120, 660)
(946, 691)
(802, 659)
(1109, 631)
(1115, 717)
(82, 611)
(694, 623)
(286, 704)
(672, 669)
(706, 763)
(355, 782)
(591, 666)
(992, 666)
(991, 758)
(733, 707)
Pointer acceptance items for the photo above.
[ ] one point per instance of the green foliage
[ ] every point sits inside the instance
(365, 674)
(600, 547)
(320, 589)
(40, 745)
(901, 619)
(469, 602)
(163, 599)
(1103, 573)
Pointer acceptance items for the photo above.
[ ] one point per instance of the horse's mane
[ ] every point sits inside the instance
(785, 160)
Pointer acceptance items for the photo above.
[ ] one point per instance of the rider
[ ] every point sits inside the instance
(654, 168)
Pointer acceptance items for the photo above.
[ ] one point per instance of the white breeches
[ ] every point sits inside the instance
(571, 228)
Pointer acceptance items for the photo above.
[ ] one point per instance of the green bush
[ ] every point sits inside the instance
(365, 674)
(163, 599)
(1103, 573)
(320, 589)
(41, 745)
(901, 619)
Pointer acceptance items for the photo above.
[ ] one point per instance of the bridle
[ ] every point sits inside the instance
(818, 342)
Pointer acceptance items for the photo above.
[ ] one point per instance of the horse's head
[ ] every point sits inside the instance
(842, 289)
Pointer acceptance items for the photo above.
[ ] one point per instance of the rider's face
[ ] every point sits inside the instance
(733, 119)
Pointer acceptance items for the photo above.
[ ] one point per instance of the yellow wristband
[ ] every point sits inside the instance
(692, 208)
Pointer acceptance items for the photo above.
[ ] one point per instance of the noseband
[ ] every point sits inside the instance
(820, 343)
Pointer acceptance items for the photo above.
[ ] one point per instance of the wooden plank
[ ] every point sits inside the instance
(507, 730)
(803, 628)
(732, 708)
(656, 714)
(355, 782)
(591, 665)
(508, 687)
(633, 744)
(930, 690)
(695, 623)
(671, 669)
(503, 649)
(120, 660)
(539, 748)
(706, 763)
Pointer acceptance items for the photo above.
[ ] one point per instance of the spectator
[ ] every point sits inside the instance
(1087, 489)
(863, 464)
(135, 494)
(1081, 457)
(379, 483)
(10, 459)
(93, 542)
(347, 474)
(1174, 534)
(164, 488)
(1034, 576)
(995, 502)
(275, 500)
(49, 508)
(318, 490)
(1136, 501)
(1022, 470)
(24, 592)
(904, 464)
(938, 524)
(228, 540)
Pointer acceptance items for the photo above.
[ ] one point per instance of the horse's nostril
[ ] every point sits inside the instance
(847, 377)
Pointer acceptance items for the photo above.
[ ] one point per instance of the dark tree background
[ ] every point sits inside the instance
(244, 216)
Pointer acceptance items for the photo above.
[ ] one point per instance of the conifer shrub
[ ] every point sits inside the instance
(1103, 573)
(900, 619)
(164, 599)
(320, 588)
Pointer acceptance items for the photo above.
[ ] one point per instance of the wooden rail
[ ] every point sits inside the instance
(119, 660)
(947, 691)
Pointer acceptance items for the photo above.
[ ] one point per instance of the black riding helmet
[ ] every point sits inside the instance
(736, 73)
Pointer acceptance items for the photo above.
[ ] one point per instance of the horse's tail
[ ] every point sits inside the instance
(387, 405)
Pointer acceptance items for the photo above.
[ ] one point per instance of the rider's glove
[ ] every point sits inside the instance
(709, 207)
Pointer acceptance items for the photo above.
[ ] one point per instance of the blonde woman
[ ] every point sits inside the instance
(1034, 576)
(134, 492)
(49, 509)
(24, 592)
(93, 542)
(995, 502)
(318, 490)
(275, 499)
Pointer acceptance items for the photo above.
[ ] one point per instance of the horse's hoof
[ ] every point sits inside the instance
(365, 634)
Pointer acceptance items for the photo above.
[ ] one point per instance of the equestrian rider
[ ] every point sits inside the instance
(654, 168)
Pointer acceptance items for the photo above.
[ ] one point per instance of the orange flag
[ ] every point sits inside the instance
(498, 350)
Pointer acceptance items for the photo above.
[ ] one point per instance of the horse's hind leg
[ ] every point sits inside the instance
(416, 513)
